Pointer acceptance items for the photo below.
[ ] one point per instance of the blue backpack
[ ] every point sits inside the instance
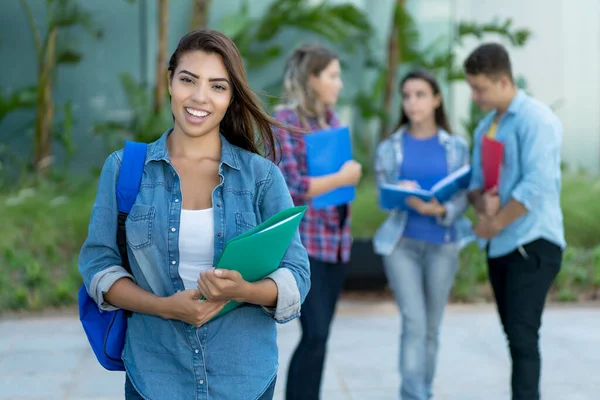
(106, 330)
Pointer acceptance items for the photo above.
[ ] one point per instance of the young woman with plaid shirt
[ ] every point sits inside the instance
(312, 83)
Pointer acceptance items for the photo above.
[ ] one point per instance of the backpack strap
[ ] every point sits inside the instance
(128, 186)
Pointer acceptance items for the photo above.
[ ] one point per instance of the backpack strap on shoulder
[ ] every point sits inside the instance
(128, 187)
(130, 176)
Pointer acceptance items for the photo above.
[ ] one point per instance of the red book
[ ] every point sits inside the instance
(492, 151)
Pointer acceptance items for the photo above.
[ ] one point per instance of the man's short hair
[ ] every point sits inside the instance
(490, 59)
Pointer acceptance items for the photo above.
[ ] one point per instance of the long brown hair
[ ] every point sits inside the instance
(245, 114)
(440, 113)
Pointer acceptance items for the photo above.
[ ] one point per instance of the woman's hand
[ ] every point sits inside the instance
(350, 173)
(408, 184)
(187, 307)
(431, 208)
(223, 285)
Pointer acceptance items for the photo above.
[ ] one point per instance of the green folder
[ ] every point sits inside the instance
(258, 252)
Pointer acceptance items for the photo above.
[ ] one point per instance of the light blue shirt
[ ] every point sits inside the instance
(530, 172)
(233, 357)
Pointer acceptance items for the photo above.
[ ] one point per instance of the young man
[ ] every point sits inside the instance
(520, 218)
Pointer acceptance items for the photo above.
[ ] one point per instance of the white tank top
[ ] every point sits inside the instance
(196, 245)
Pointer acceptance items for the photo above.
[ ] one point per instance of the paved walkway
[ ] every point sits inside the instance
(48, 357)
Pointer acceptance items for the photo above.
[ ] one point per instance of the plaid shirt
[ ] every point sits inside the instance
(320, 230)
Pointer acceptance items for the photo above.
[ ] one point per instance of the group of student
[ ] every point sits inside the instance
(226, 166)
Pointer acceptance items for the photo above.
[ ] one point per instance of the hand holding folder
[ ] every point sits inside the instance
(394, 196)
(258, 252)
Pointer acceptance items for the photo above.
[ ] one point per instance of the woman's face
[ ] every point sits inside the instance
(418, 101)
(201, 92)
(328, 83)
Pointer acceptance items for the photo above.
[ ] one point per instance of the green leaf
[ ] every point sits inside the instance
(233, 25)
(68, 56)
(259, 59)
(19, 99)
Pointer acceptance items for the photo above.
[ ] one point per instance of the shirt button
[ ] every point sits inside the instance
(173, 229)
(196, 351)
(201, 381)
(173, 262)
(176, 200)
(219, 234)
(218, 205)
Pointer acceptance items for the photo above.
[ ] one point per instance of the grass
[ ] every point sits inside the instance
(44, 227)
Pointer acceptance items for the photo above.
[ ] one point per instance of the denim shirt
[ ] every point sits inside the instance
(388, 162)
(232, 357)
(530, 173)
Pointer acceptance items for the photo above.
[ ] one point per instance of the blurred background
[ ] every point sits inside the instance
(78, 77)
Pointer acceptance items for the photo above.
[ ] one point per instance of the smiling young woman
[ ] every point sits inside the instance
(204, 182)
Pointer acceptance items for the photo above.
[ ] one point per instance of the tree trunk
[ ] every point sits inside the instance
(42, 154)
(390, 74)
(199, 17)
(161, 60)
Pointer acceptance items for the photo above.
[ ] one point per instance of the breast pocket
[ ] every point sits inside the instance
(139, 226)
(245, 221)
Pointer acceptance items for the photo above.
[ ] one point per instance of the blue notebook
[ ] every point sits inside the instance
(326, 151)
(394, 197)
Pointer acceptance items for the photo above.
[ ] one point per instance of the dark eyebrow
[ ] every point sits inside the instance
(219, 80)
(185, 71)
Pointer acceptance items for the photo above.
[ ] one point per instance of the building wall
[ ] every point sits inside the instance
(92, 85)
(561, 64)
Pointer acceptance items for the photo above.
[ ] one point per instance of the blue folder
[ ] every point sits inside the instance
(326, 151)
(392, 196)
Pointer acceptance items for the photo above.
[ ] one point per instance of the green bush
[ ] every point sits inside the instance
(43, 230)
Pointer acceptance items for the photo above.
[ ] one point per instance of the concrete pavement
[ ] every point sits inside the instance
(49, 358)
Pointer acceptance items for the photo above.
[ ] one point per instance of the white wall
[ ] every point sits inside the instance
(561, 63)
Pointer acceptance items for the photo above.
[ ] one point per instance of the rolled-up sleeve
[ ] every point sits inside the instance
(293, 275)
(99, 259)
(539, 156)
(288, 296)
(298, 184)
(103, 281)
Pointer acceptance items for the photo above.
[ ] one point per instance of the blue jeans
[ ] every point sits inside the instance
(421, 275)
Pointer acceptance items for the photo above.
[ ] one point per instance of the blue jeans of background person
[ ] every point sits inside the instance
(421, 275)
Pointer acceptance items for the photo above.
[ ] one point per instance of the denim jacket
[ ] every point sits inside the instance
(232, 357)
(388, 162)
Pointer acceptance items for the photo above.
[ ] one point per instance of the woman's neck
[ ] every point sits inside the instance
(183, 146)
(423, 130)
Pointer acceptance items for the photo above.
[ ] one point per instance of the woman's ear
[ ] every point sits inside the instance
(438, 100)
